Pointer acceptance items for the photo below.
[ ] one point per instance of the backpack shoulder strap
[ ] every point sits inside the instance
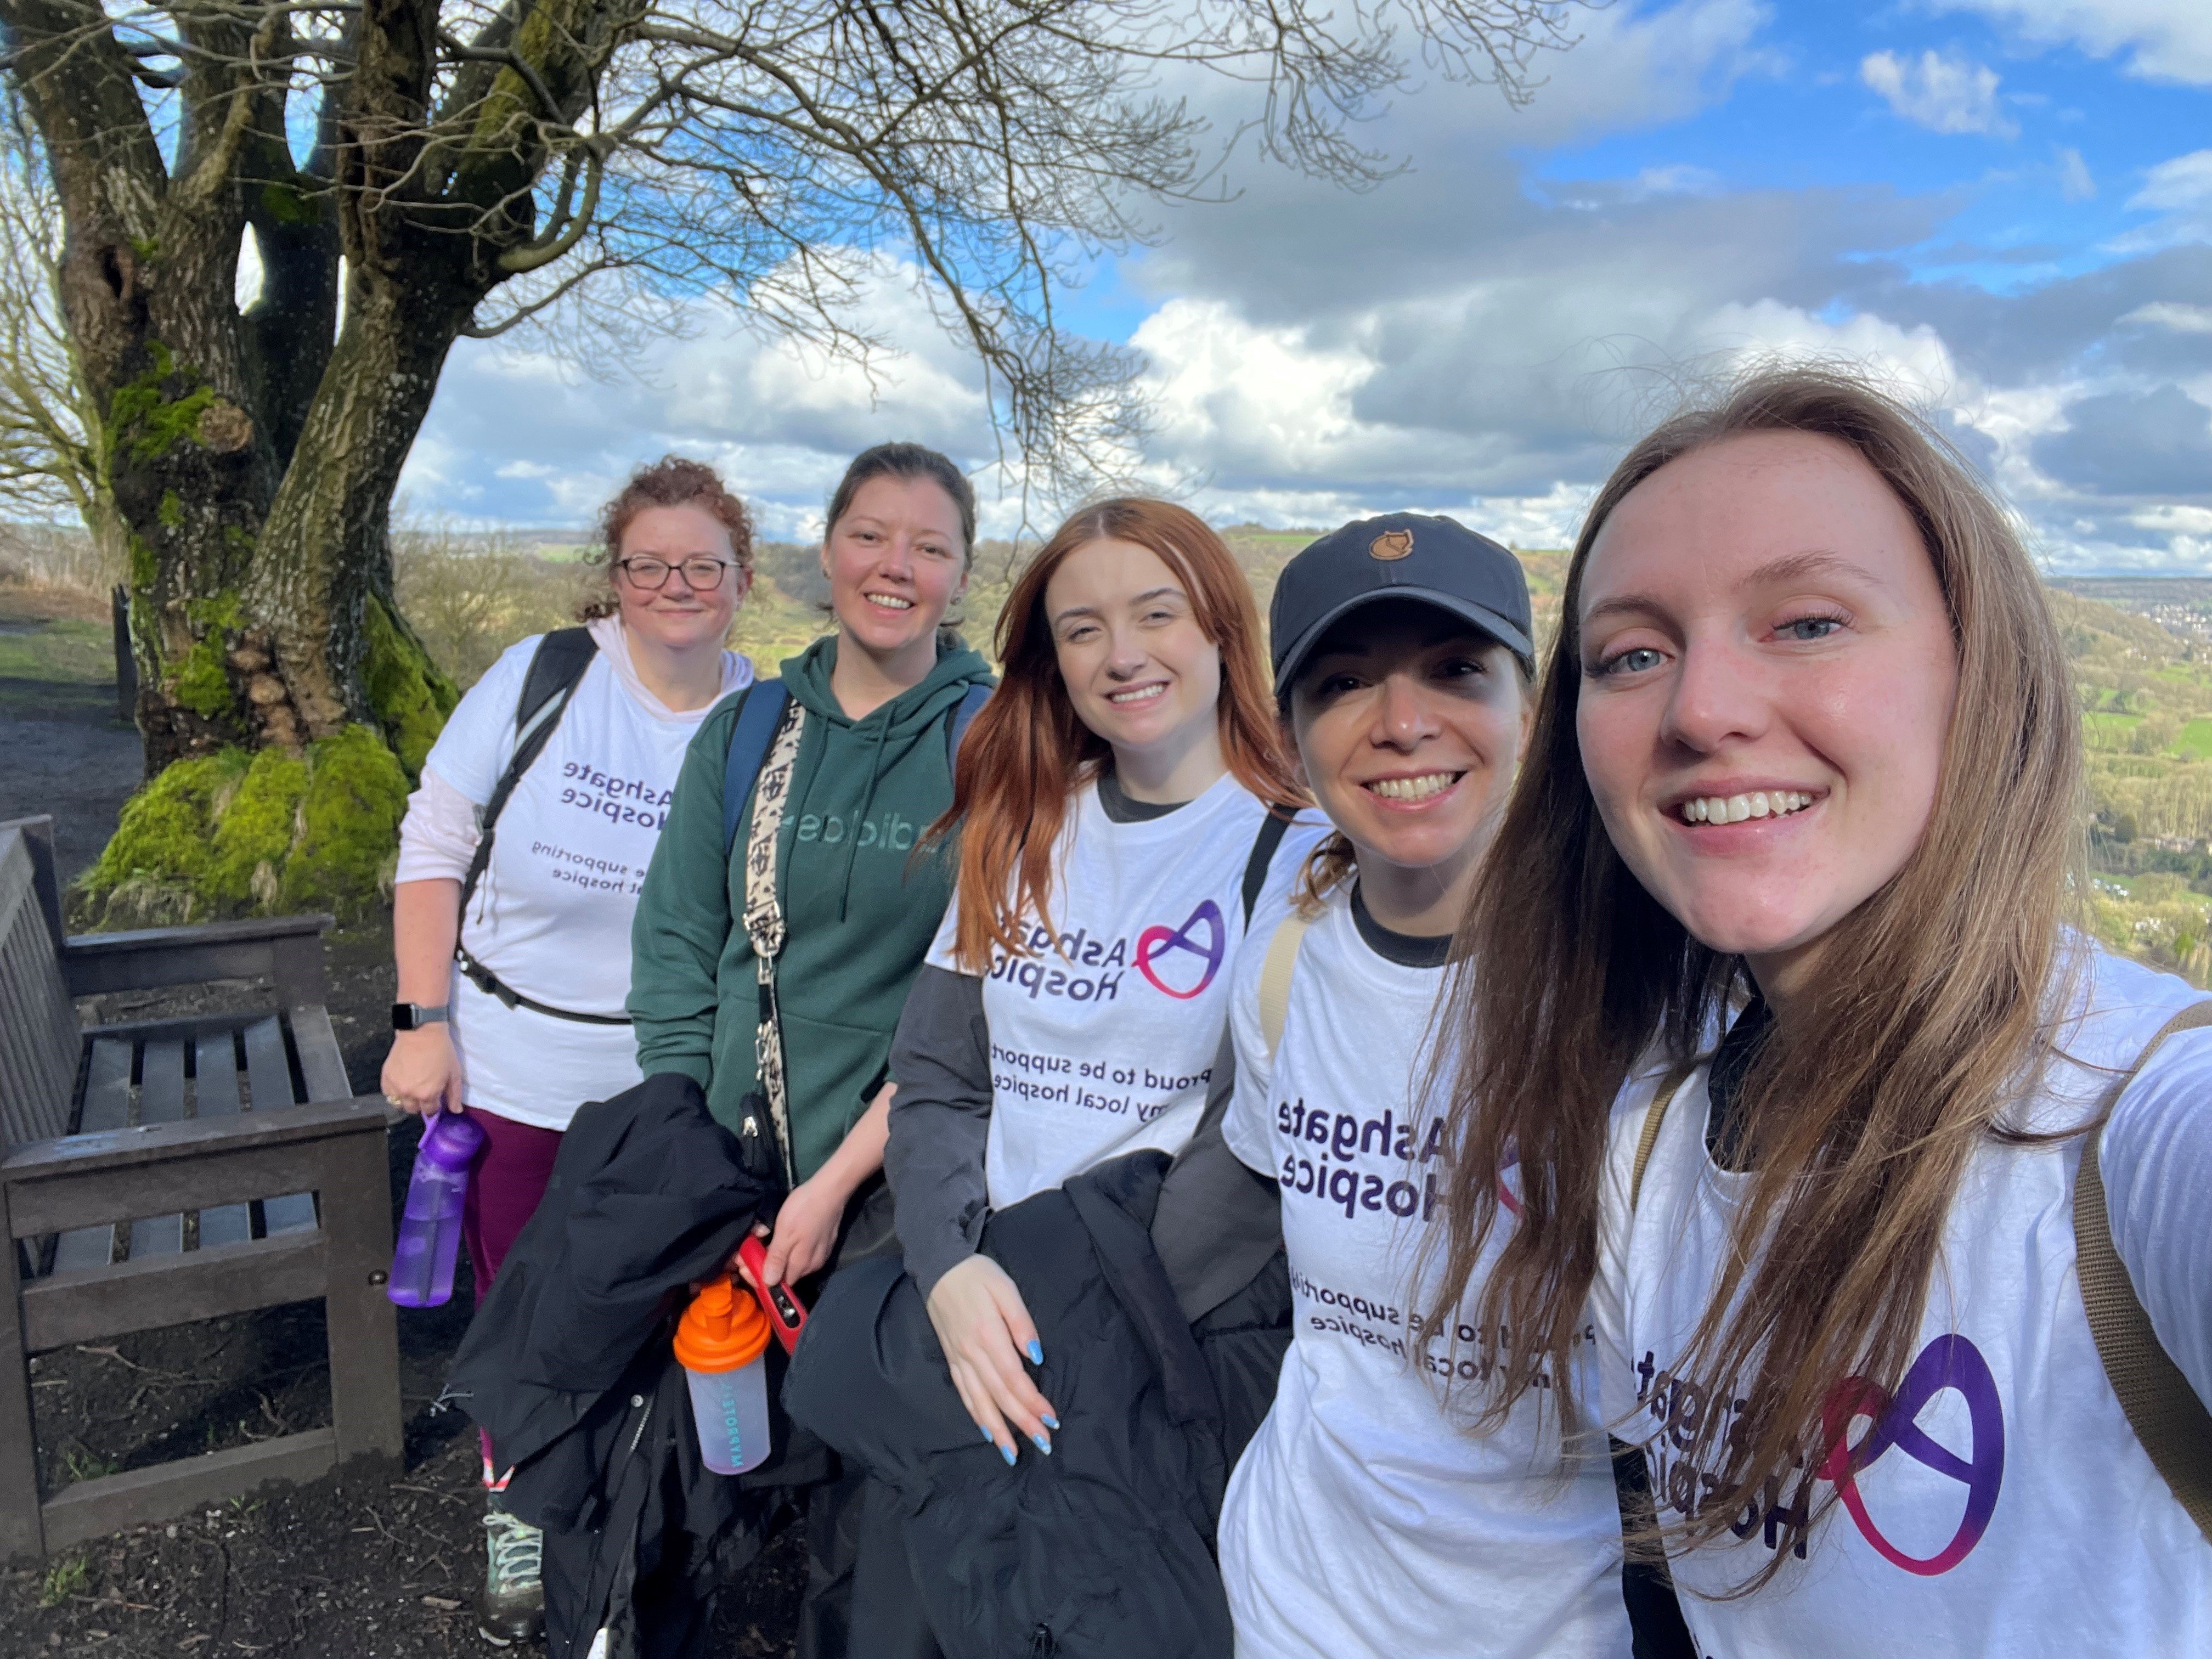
(759, 714)
(2168, 1418)
(1654, 1115)
(1272, 829)
(971, 704)
(556, 666)
(1275, 973)
(559, 662)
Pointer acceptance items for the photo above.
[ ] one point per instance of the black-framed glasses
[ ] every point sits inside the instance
(703, 575)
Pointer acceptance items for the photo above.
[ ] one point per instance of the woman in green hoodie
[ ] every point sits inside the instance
(877, 706)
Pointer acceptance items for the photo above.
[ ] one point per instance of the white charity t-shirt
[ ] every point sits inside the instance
(1103, 1037)
(1362, 1521)
(551, 917)
(2013, 1511)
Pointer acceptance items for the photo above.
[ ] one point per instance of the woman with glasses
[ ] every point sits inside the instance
(860, 766)
(513, 1012)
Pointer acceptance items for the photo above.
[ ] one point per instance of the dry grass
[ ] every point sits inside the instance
(54, 572)
(469, 597)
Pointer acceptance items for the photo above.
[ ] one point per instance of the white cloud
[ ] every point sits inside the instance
(1913, 362)
(1679, 179)
(517, 433)
(1940, 92)
(1247, 396)
(2173, 315)
(1476, 336)
(2164, 40)
(2180, 192)
(2075, 182)
(2176, 517)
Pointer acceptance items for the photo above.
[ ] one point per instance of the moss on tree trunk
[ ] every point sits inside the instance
(235, 832)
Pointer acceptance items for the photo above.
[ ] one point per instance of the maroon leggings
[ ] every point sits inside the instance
(509, 1178)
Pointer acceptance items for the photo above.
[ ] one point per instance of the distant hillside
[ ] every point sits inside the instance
(789, 586)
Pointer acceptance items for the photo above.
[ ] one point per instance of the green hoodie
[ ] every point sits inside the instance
(860, 907)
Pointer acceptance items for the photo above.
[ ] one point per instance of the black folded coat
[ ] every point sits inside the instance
(1106, 1547)
(567, 1367)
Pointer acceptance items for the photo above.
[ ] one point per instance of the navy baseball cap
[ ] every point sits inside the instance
(1400, 556)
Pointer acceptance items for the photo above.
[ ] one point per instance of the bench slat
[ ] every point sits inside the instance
(160, 1100)
(269, 1080)
(210, 1283)
(215, 1094)
(106, 1106)
(91, 1509)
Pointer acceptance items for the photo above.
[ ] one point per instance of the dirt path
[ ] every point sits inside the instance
(66, 752)
(387, 1570)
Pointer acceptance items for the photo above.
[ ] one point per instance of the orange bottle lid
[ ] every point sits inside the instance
(724, 1327)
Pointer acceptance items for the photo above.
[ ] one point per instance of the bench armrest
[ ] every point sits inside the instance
(290, 949)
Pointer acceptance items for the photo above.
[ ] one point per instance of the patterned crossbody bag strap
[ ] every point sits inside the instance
(764, 916)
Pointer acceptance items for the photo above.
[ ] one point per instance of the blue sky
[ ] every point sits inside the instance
(2004, 207)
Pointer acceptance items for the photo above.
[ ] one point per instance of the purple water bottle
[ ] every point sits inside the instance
(430, 1228)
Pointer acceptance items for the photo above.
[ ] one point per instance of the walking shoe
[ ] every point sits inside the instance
(513, 1605)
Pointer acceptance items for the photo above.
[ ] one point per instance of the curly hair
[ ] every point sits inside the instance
(672, 481)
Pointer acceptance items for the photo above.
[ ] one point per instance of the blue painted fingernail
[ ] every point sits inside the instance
(1007, 1452)
(1042, 1444)
(1050, 1421)
(986, 1433)
(1037, 1352)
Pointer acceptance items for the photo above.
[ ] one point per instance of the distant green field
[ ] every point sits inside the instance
(2105, 724)
(83, 652)
(2196, 739)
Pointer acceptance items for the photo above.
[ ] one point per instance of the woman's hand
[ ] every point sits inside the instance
(985, 1330)
(422, 1073)
(805, 1231)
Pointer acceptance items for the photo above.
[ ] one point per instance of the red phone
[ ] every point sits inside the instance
(785, 1312)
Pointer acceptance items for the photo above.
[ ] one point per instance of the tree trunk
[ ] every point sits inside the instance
(252, 456)
(327, 644)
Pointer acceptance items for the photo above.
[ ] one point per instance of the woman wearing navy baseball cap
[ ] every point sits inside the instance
(1364, 1519)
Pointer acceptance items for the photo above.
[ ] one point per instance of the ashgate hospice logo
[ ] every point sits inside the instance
(1154, 945)
(1949, 1364)
(1176, 962)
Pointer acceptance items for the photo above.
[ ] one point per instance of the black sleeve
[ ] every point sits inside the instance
(940, 1121)
(1654, 1615)
(1218, 1223)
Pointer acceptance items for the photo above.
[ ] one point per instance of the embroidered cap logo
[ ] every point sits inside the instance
(1391, 544)
(1156, 942)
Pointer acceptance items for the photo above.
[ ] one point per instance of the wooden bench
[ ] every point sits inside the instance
(173, 1171)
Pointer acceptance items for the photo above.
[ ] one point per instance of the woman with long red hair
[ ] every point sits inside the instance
(1120, 804)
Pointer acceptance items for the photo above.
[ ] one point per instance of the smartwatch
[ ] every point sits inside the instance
(413, 1016)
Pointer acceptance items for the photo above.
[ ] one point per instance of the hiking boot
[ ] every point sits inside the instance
(513, 1605)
